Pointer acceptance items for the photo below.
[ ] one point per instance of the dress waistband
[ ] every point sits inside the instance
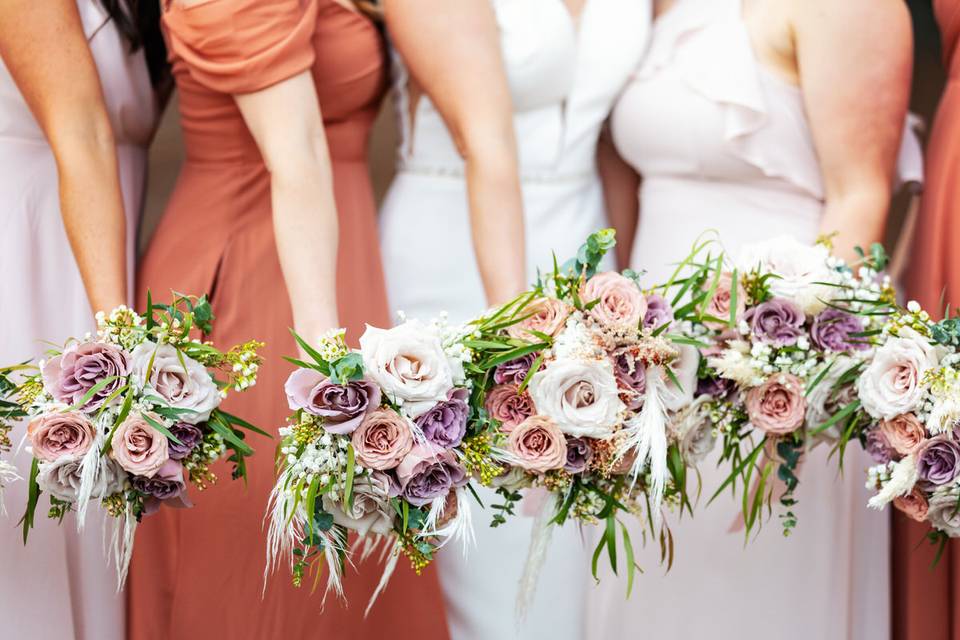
(526, 176)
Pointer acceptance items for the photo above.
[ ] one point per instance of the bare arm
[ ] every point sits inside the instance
(855, 62)
(452, 49)
(621, 194)
(44, 47)
(285, 121)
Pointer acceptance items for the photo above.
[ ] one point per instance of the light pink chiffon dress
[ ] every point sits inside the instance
(59, 586)
(723, 144)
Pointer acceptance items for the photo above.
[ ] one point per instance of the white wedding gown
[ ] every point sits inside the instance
(564, 78)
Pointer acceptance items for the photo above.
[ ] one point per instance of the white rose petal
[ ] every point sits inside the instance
(581, 396)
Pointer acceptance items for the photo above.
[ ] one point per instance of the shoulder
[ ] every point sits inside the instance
(863, 18)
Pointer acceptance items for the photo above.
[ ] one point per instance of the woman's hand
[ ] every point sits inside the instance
(453, 52)
(44, 47)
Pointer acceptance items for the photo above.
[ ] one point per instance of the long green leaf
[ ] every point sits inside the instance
(33, 496)
(159, 426)
(91, 392)
(348, 481)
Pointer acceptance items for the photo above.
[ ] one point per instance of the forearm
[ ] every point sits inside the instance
(93, 212)
(306, 230)
(856, 218)
(621, 196)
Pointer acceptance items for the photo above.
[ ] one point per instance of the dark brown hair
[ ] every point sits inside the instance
(138, 22)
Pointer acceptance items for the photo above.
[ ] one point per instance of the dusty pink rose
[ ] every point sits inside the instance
(904, 433)
(138, 447)
(60, 434)
(538, 445)
(546, 315)
(619, 299)
(382, 439)
(914, 505)
(778, 406)
(509, 407)
(719, 306)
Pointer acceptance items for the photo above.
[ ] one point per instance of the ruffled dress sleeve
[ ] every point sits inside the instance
(242, 46)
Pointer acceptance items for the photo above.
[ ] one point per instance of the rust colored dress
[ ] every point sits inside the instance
(926, 604)
(198, 573)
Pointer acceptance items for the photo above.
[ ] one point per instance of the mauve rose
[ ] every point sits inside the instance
(382, 439)
(138, 447)
(942, 511)
(833, 329)
(189, 436)
(503, 403)
(778, 322)
(631, 376)
(165, 484)
(60, 434)
(938, 461)
(777, 407)
(904, 433)
(913, 505)
(180, 381)
(371, 510)
(715, 387)
(514, 371)
(579, 455)
(428, 472)
(342, 406)
(878, 447)
(446, 423)
(538, 445)
(69, 376)
(892, 383)
(619, 300)
(659, 312)
(719, 306)
(546, 315)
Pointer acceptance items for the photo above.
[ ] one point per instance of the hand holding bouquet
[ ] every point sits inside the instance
(129, 416)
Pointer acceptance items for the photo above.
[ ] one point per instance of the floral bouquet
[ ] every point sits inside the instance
(910, 396)
(378, 445)
(128, 416)
(790, 334)
(586, 386)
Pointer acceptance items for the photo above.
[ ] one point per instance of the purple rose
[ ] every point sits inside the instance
(938, 461)
(659, 312)
(342, 406)
(715, 387)
(446, 423)
(514, 371)
(878, 447)
(69, 376)
(632, 377)
(166, 486)
(189, 436)
(778, 322)
(833, 330)
(579, 454)
(429, 472)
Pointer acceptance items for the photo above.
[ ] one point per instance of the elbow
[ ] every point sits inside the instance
(486, 144)
(85, 139)
(301, 162)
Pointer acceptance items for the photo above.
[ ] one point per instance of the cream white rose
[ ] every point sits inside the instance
(891, 383)
(942, 511)
(371, 511)
(581, 397)
(181, 385)
(801, 268)
(695, 431)
(824, 400)
(409, 364)
(61, 479)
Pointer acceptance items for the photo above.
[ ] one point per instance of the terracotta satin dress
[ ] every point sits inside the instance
(926, 604)
(198, 573)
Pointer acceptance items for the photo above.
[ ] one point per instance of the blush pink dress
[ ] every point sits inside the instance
(724, 144)
(60, 585)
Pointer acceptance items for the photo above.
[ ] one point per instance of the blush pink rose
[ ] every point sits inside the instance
(719, 306)
(509, 407)
(382, 439)
(546, 315)
(904, 433)
(139, 448)
(619, 300)
(778, 406)
(913, 505)
(55, 435)
(538, 445)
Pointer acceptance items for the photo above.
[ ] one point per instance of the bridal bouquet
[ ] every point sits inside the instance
(586, 386)
(790, 337)
(378, 445)
(128, 416)
(910, 394)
